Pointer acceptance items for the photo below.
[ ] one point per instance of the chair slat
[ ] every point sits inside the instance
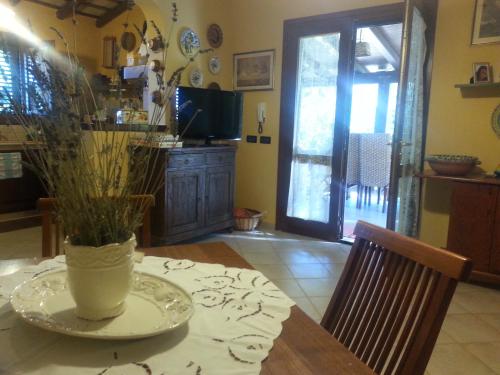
(355, 306)
(397, 269)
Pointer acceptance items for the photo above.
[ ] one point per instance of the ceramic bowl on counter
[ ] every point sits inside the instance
(452, 165)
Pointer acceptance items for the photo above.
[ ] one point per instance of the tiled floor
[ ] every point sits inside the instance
(308, 270)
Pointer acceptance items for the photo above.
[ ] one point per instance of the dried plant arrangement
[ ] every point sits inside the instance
(90, 170)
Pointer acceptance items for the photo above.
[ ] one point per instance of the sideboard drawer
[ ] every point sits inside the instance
(214, 158)
(185, 160)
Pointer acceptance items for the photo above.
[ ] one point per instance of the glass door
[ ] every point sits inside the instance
(411, 117)
(314, 111)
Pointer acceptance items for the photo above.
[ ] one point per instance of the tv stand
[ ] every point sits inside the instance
(197, 195)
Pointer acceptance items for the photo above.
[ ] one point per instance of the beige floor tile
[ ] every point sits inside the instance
(290, 287)
(488, 353)
(468, 328)
(296, 257)
(262, 258)
(444, 338)
(480, 301)
(309, 271)
(321, 303)
(260, 245)
(318, 287)
(335, 268)
(306, 306)
(275, 271)
(332, 256)
(491, 319)
(456, 308)
(453, 359)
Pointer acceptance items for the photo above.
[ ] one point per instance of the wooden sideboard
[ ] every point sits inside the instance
(474, 227)
(197, 196)
(19, 194)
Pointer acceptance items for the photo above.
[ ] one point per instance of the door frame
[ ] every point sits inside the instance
(346, 23)
(429, 9)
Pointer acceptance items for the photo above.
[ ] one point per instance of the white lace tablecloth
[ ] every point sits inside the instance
(238, 314)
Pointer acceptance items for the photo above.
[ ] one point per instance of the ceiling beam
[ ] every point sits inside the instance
(111, 14)
(66, 10)
(385, 47)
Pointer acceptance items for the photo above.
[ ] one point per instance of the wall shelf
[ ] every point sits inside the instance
(479, 90)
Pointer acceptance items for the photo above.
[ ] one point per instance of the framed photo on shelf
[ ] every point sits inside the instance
(253, 70)
(481, 73)
(486, 22)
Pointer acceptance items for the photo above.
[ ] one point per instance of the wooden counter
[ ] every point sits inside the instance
(474, 228)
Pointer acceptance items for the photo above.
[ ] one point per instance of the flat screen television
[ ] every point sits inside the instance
(220, 116)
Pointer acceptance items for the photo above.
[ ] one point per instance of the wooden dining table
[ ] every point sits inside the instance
(303, 346)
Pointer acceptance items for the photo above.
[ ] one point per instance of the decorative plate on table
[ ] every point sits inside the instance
(214, 65)
(154, 306)
(189, 42)
(495, 121)
(196, 77)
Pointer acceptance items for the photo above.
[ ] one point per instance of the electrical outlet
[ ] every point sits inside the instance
(251, 139)
(265, 140)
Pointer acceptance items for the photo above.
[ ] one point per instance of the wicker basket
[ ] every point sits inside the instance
(248, 223)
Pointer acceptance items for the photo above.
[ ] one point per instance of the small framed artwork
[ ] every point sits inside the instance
(486, 22)
(254, 71)
(481, 72)
(108, 52)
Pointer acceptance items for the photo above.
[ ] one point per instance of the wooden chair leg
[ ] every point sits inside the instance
(378, 195)
(146, 228)
(46, 234)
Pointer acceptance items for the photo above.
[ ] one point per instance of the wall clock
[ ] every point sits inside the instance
(189, 42)
(215, 35)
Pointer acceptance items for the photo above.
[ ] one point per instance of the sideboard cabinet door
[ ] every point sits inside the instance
(495, 254)
(219, 194)
(185, 200)
(472, 221)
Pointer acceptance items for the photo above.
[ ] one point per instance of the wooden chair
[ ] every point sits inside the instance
(392, 298)
(51, 231)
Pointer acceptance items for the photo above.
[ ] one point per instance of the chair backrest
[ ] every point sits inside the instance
(375, 159)
(51, 231)
(392, 298)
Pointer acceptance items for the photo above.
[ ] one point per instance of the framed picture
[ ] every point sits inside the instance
(108, 52)
(254, 71)
(481, 72)
(486, 22)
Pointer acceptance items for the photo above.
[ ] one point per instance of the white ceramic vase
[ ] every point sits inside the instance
(100, 278)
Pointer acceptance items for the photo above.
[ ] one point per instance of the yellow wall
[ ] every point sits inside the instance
(258, 25)
(116, 29)
(456, 125)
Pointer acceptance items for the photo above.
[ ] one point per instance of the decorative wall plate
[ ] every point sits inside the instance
(495, 121)
(128, 41)
(215, 36)
(196, 77)
(154, 306)
(213, 86)
(214, 65)
(189, 42)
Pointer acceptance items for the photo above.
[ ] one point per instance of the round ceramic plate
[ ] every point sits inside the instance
(196, 77)
(495, 121)
(189, 42)
(214, 65)
(154, 306)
